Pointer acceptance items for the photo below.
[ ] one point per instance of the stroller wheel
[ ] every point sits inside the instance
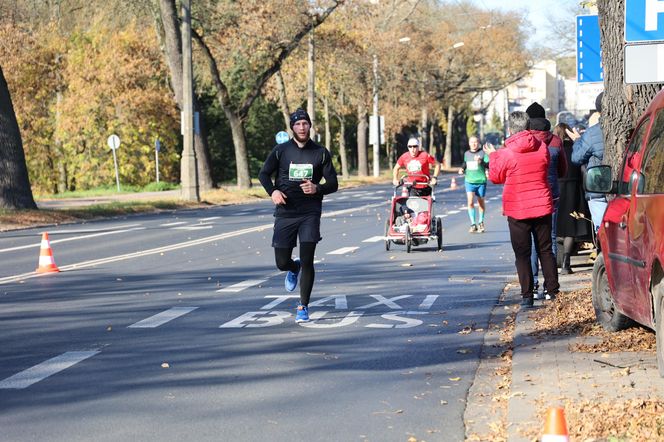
(387, 231)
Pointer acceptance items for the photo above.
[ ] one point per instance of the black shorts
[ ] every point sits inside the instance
(287, 229)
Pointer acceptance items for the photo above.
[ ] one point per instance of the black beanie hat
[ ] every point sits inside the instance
(535, 110)
(598, 102)
(540, 124)
(299, 114)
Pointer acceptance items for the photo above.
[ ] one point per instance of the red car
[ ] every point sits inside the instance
(628, 275)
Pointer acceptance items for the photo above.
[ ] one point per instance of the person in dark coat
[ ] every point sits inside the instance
(572, 200)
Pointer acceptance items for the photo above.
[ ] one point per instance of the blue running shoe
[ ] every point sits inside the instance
(291, 278)
(302, 314)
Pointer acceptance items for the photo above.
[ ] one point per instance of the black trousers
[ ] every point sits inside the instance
(520, 236)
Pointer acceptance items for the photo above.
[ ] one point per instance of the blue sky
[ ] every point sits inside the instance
(537, 11)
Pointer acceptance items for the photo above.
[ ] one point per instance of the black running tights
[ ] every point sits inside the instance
(285, 263)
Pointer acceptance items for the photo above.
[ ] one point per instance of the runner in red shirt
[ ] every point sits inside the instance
(416, 162)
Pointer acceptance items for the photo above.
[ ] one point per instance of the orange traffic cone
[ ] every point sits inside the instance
(555, 426)
(46, 261)
(453, 184)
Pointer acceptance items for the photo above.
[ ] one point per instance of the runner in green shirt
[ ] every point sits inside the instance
(475, 164)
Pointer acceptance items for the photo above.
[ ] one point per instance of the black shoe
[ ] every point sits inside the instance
(527, 301)
(566, 271)
(549, 296)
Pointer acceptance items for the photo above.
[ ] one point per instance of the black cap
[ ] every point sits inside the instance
(598, 102)
(536, 110)
(299, 114)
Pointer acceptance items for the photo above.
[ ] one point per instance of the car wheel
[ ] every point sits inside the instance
(409, 240)
(606, 311)
(439, 233)
(387, 232)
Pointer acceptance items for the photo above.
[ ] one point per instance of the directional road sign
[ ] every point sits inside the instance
(589, 67)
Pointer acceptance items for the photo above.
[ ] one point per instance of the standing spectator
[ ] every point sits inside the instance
(417, 164)
(588, 151)
(572, 199)
(522, 167)
(540, 127)
(299, 165)
(475, 163)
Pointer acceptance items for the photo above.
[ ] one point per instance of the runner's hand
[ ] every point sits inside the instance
(308, 187)
(433, 181)
(278, 197)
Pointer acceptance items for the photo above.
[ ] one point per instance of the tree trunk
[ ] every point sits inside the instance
(622, 104)
(362, 164)
(328, 135)
(283, 101)
(241, 157)
(424, 135)
(448, 138)
(342, 148)
(172, 43)
(15, 191)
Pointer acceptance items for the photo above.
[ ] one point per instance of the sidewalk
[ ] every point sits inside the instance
(545, 373)
(72, 203)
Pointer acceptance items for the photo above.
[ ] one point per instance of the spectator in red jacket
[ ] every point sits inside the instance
(522, 167)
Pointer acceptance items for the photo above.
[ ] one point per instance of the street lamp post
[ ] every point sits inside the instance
(376, 146)
(188, 172)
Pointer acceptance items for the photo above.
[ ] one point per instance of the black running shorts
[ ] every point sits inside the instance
(286, 230)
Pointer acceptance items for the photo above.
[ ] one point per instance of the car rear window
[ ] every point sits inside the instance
(653, 162)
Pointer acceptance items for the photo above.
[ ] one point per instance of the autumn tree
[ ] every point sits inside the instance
(242, 49)
(623, 103)
(15, 191)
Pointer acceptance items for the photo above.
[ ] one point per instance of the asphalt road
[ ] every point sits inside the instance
(177, 326)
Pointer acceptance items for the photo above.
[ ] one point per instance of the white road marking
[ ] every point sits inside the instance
(452, 212)
(182, 245)
(210, 218)
(177, 223)
(98, 229)
(374, 239)
(241, 286)
(428, 302)
(349, 319)
(195, 227)
(343, 251)
(389, 302)
(163, 317)
(75, 238)
(47, 368)
(340, 302)
(278, 300)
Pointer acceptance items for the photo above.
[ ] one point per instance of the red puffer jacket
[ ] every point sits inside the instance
(522, 166)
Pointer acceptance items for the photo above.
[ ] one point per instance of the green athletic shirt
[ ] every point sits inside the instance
(475, 170)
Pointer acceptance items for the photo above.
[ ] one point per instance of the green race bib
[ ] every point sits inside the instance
(300, 172)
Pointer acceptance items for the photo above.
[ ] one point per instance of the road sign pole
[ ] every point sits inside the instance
(117, 176)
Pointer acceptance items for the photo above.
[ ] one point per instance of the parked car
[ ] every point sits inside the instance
(628, 275)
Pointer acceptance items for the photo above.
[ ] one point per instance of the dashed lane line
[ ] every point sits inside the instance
(177, 223)
(343, 251)
(47, 368)
(374, 239)
(163, 317)
(235, 288)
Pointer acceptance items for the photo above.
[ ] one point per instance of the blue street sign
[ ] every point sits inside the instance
(157, 145)
(644, 20)
(589, 67)
(282, 137)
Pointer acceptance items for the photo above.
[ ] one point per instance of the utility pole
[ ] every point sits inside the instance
(188, 171)
(376, 146)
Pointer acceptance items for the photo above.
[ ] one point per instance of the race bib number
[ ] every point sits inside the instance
(472, 165)
(414, 166)
(300, 172)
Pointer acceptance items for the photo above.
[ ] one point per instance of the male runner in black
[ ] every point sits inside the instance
(300, 164)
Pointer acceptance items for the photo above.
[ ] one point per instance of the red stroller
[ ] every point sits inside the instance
(411, 220)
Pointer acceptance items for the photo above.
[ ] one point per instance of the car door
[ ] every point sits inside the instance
(617, 228)
(646, 220)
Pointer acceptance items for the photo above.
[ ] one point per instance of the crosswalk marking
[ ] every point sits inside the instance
(163, 317)
(343, 251)
(47, 368)
(374, 239)
(241, 286)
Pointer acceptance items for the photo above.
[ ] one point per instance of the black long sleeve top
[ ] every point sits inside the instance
(290, 165)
